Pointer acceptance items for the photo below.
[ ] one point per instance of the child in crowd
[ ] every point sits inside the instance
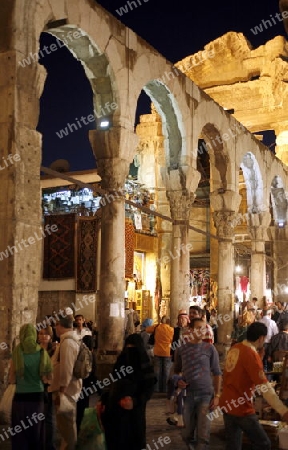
(177, 400)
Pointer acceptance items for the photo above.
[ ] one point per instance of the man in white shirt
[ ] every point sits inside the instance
(272, 329)
(65, 387)
(270, 324)
(80, 331)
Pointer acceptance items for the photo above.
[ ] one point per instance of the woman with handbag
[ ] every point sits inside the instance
(30, 366)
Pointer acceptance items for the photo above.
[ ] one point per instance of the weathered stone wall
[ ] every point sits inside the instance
(50, 301)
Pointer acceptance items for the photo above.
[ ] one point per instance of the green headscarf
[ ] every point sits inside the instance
(28, 344)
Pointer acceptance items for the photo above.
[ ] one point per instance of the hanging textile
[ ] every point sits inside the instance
(244, 283)
(129, 247)
(200, 282)
(87, 243)
(59, 254)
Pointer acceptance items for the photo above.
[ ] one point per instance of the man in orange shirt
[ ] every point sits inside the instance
(162, 359)
(243, 375)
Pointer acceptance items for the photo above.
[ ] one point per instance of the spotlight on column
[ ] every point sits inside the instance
(104, 123)
(281, 224)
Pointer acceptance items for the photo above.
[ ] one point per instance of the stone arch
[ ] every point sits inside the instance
(219, 159)
(96, 67)
(20, 118)
(279, 201)
(167, 108)
(254, 183)
(220, 132)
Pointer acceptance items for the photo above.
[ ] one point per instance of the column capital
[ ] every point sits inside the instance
(113, 172)
(180, 204)
(277, 234)
(258, 225)
(184, 178)
(225, 205)
(225, 201)
(225, 222)
(118, 142)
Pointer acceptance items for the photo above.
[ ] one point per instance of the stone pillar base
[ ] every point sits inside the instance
(104, 366)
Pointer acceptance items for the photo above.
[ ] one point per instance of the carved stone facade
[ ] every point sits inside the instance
(252, 83)
(118, 65)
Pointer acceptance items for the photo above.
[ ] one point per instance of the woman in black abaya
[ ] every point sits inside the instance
(124, 416)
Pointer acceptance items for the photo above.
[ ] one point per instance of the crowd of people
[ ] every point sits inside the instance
(188, 371)
(181, 361)
(45, 389)
(275, 317)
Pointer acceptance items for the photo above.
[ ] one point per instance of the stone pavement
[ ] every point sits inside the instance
(157, 426)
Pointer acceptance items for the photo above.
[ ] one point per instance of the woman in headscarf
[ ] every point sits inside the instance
(30, 367)
(124, 416)
(45, 340)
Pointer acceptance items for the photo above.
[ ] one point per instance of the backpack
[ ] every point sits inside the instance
(83, 364)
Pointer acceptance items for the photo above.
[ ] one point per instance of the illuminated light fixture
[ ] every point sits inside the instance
(104, 124)
(281, 224)
(286, 289)
(238, 268)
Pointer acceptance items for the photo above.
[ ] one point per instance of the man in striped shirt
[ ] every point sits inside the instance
(197, 360)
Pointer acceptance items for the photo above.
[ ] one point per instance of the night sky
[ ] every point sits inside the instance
(176, 30)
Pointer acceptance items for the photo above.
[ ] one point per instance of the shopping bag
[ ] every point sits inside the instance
(66, 404)
(91, 436)
(6, 404)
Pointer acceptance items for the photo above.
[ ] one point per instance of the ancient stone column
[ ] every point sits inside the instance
(113, 171)
(164, 233)
(151, 157)
(225, 206)
(179, 255)
(21, 235)
(257, 226)
(279, 238)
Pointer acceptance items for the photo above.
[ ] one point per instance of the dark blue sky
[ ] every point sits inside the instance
(179, 28)
(176, 30)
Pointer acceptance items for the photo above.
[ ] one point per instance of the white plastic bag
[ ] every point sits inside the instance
(6, 404)
(67, 404)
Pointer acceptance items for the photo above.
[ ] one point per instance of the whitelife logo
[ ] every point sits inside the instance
(34, 57)
(31, 240)
(129, 6)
